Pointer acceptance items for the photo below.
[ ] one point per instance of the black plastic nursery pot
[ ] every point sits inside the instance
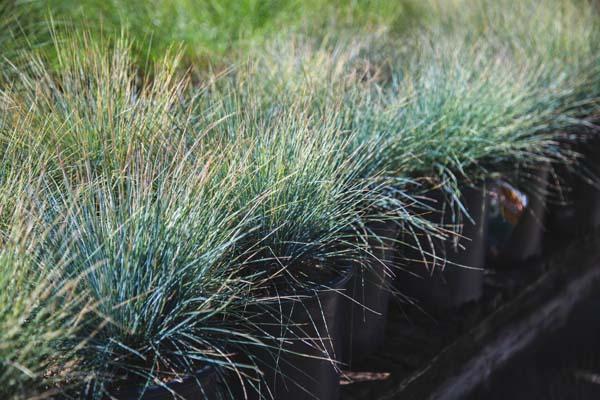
(454, 275)
(305, 335)
(200, 386)
(523, 239)
(580, 212)
(369, 293)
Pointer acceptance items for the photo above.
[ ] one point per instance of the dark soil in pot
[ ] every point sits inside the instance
(304, 332)
(369, 293)
(430, 281)
(203, 385)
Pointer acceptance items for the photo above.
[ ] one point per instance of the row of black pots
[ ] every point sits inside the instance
(447, 273)
(346, 324)
(460, 279)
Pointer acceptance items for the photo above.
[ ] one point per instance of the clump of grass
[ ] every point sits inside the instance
(39, 311)
(555, 44)
(311, 196)
(459, 107)
(135, 208)
(154, 250)
(92, 111)
(310, 199)
(309, 171)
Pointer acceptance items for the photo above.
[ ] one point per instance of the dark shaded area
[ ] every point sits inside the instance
(562, 365)
(415, 335)
(445, 354)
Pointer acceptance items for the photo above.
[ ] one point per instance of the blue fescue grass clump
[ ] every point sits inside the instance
(560, 37)
(36, 326)
(308, 171)
(39, 310)
(311, 197)
(139, 211)
(154, 253)
(92, 111)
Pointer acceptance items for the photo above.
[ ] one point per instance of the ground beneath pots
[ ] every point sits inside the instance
(447, 354)
(563, 365)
